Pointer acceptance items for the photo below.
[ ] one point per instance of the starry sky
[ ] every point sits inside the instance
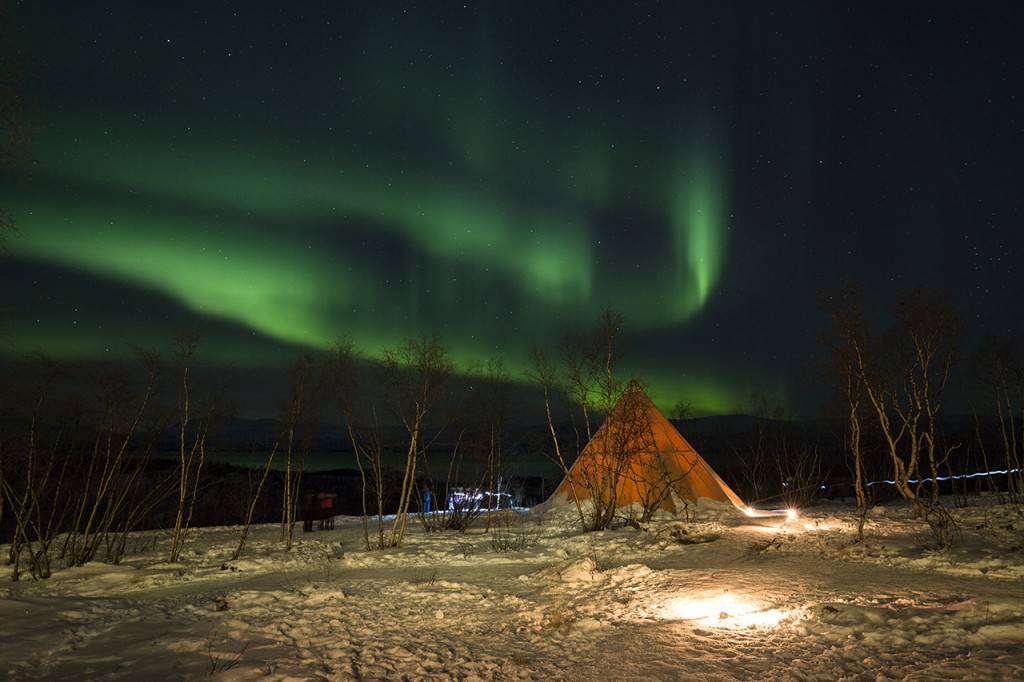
(276, 175)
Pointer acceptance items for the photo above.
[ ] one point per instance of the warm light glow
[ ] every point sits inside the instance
(710, 607)
(790, 514)
(723, 610)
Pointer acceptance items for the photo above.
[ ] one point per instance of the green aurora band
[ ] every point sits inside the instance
(697, 228)
(305, 251)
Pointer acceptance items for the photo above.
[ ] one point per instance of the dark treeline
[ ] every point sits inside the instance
(92, 452)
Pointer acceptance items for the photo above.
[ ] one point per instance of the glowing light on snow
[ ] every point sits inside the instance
(790, 514)
(791, 520)
(723, 610)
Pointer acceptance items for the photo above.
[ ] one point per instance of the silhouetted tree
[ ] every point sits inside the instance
(587, 379)
(194, 421)
(34, 463)
(110, 467)
(492, 401)
(998, 365)
(413, 375)
(899, 376)
(301, 412)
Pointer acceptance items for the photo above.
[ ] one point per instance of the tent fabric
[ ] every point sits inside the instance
(647, 460)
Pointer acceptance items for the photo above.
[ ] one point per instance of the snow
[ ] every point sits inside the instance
(717, 596)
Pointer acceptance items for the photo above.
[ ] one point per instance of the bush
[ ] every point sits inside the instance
(509, 533)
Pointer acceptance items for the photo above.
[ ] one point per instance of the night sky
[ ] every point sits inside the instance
(277, 175)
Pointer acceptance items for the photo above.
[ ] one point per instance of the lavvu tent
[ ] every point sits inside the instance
(640, 455)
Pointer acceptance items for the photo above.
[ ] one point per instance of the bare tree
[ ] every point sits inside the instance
(615, 453)
(193, 430)
(848, 350)
(368, 436)
(413, 375)
(143, 495)
(254, 498)
(901, 376)
(543, 372)
(466, 480)
(33, 468)
(934, 333)
(638, 462)
(108, 476)
(343, 374)
(659, 483)
(999, 371)
(371, 437)
(458, 463)
(777, 467)
(384, 482)
(588, 380)
(493, 404)
(761, 455)
(591, 363)
(77, 470)
(301, 413)
(681, 410)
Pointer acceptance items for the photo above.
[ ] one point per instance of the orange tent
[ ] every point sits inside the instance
(647, 461)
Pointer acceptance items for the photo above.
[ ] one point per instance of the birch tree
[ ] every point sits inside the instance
(300, 415)
(998, 365)
(413, 376)
(588, 379)
(900, 376)
(194, 420)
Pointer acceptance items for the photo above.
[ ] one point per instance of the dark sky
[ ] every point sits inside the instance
(279, 174)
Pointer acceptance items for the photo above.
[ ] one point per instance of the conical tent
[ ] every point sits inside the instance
(645, 459)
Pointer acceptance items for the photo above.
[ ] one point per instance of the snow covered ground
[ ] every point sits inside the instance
(716, 597)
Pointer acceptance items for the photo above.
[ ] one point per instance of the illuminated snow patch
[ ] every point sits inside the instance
(723, 610)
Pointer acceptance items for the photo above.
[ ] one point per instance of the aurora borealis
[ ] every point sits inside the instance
(279, 175)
